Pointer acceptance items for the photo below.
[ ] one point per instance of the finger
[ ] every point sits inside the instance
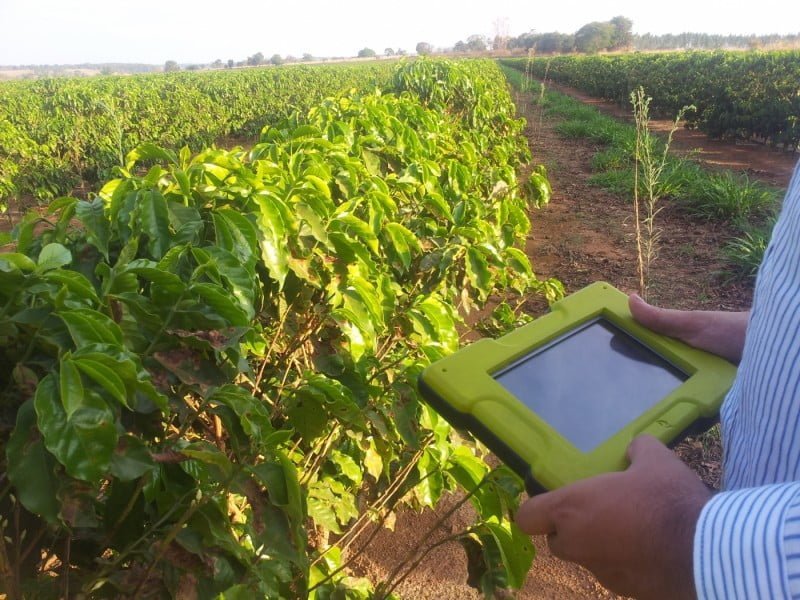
(646, 449)
(661, 320)
(535, 516)
(558, 548)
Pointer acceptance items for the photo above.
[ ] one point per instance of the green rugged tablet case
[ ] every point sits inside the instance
(463, 388)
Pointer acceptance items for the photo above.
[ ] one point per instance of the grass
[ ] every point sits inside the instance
(746, 251)
(727, 195)
(746, 205)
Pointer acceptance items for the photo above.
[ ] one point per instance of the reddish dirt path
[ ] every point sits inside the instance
(770, 165)
(585, 234)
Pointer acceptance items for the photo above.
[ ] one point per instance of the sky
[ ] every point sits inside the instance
(200, 31)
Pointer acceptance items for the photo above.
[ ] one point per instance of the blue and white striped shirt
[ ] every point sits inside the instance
(747, 542)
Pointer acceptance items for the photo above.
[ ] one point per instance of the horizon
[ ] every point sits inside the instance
(51, 33)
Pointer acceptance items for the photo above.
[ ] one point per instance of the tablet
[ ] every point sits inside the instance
(560, 398)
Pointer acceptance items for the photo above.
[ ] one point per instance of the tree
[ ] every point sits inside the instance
(230, 63)
(217, 64)
(276, 59)
(500, 42)
(461, 46)
(389, 52)
(550, 43)
(424, 48)
(476, 43)
(593, 37)
(307, 57)
(366, 53)
(622, 37)
(171, 66)
(256, 59)
(401, 52)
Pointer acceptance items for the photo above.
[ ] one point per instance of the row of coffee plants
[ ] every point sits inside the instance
(736, 94)
(55, 133)
(208, 370)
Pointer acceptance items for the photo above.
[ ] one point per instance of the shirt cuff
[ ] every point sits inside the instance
(744, 544)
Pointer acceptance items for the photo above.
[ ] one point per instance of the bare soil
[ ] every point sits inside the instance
(584, 235)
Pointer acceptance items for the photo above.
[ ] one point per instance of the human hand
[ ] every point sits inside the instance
(721, 333)
(633, 529)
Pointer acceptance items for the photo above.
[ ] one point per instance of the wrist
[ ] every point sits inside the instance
(678, 527)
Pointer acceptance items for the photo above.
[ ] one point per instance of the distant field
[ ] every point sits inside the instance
(56, 133)
(742, 95)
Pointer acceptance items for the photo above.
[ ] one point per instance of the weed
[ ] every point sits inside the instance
(729, 196)
(651, 161)
(613, 158)
(574, 129)
(618, 181)
(745, 253)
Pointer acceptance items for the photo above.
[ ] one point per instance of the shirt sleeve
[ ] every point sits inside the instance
(747, 544)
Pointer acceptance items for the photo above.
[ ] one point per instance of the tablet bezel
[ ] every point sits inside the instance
(462, 388)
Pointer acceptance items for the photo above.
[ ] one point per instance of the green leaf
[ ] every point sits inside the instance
(76, 283)
(537, 187)
(155, 222)
(429, 489)
(348, 467)
(357, 228)
(210, 455)
(236, 233)
(170, 283)
(131, 459)
(274, 229)
(83, 444)
(52, 257)
(478, 272)
(88, 326)
(149, 151)
(31, 467)
(334, 398)
(330, 504)
(252, 413)
(20, 261)
(518, 261)
(70, 386)
(516, 550)
(403, 242)
(105, 377)
(217, 298)
(185, 221)
(373, 462)
(92, 216)
(315, 224)
(236, 592)
(241, 282)
(373, 162)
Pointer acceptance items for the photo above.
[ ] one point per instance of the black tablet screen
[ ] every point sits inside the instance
(591, 382)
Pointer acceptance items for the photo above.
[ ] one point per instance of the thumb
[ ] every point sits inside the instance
(661, 320)
(646, 449)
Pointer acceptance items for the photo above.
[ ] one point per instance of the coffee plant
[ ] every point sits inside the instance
(208, 370)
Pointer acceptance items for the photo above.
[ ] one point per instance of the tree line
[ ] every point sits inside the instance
(616, 34)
